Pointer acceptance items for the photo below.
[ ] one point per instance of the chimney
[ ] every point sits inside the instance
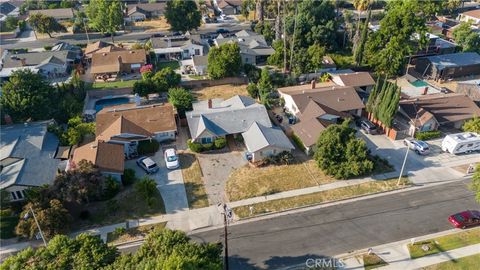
(312, 84)
(120, 59)
(209, 103)
(425, 90)
(24, 62)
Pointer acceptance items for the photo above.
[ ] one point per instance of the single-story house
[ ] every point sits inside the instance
(27, 157)
(361, 81)
(117, 62)
(237, 116)
(177, 48)
(432, 111)
(200, 64)
(143, 11)
(59, 14)
(449, 66)
(254, 49)
(48, 63)
(228, 7)
(472, 16)
(94, 47)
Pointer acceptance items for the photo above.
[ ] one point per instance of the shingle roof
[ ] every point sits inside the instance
(6, 8)
(258, 137)
(111, 61)
(163, 42)
(148, 7)
(108, 157)
(355, 79)
(473, 13)
(200, 60)
(35, 58)
(27, 155)
(249, 43)
(455, 60)
(57, 13)
(309, 130)
(93, 47)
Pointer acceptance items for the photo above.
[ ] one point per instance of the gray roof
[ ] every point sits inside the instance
(57, 13)
(6, 8)
(455, 60)
(249, 43)
(258, 137)
(163, 42)
(27, 155)
(35, 58)
(232, 116)
(200, 60)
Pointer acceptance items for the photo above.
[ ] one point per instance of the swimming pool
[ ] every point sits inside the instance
(100, 104)
(419, 83)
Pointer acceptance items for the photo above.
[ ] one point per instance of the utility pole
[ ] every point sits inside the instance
(86, 31)
(225, 231)
(38, 225)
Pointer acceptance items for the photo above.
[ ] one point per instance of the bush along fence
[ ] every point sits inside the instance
(428, 135)
(196, 147)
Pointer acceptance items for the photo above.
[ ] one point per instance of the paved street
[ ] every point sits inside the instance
(291, 239)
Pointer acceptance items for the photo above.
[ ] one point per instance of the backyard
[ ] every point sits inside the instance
(110, 85)
(192, 178)
(220, 91)
(171, 64)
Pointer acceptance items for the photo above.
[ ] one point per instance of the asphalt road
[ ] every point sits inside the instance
(291, 239)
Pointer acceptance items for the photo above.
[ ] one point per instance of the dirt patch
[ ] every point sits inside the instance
(220, 91)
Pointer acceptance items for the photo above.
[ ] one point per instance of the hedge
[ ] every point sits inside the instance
(428, 135)
(148, 147)
(298, 142)
(220, 143)
(128, 177)
(194, 146)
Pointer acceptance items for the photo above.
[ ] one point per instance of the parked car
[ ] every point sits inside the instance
(147, 164)
(368, 127)
(465, 219)
(222, 31)
(171, 159)
(420, 147)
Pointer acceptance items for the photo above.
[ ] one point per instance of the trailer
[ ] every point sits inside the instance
(461, 143)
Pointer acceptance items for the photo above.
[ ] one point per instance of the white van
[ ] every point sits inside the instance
(461, 143)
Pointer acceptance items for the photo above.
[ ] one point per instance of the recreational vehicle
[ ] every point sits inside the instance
(461, 143)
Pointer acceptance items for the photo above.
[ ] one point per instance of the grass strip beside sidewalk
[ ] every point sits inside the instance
(444, 243)
(465, 263)
(319, 197)
(132, 234)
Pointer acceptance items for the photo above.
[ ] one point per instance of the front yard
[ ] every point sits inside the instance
(8, 222)
(220, 91)
(465, 263)
(132, 234)
(192, 178)
(372, 261)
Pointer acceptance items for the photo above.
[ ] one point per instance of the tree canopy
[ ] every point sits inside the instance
(472, 125)
(182, 15)
(105, 16)
(180, 98)
(467, 38)
(161, 81)
(45, 24)
(224, 61)
(475, 185)
(383, 101)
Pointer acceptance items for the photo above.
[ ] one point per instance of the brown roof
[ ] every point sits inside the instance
(304, 88)
(232, 3)
(112, 61)
(308, 131)
(315, 109)
(110, 48)
(355, 79)
(145, 120)
(423, 117)
(473, 13)
(444, 107)
(107, 157)
(57, 13)
(340, 99)
(149, 7)
(93, 47)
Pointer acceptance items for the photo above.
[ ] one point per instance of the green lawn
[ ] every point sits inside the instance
(373, 261)
(319, 197)
(8, 222)
(110, 85)
(444, 243)
(171, 64)
(197, 77)
(465, 263)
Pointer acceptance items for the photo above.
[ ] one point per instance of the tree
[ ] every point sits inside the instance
(27, 96)
(45, 24)
(315, 53)
(247, 6)
(383, 101)
(182, 15)
(180, 98)
(252, 72)
(359, 50)
(11, 23)
(52, 218)
(252, 90)
(340, 154)
(144, 87)
(165, 79)
(467, 38)
(77, 130)
(265, 28)
(475, 185)
(360, 6)
(472, 125)
(105, 16)
(224, 61)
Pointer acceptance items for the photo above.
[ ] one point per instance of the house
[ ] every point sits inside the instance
(48, 63)
(228, 7)
(316, 108)
(59, 14)
(143, 11)
(433, 111)
(177, 48)
(8, 8)
(200, 64)
(472, 16)
(109, 158)
(361, 81)
(95, 47)
(435, 46)
(113, 63)
(254, 49)
(471, 88)
(234, 117)
(449, 66)
(27, 157)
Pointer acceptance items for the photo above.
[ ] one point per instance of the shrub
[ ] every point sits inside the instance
(128, 177)
(148, 147)
(298, 142)
(220, 143)
(112, 187)
(119, 231)
(207, 146)
(194, 146)
(47, 48)
(427, 135)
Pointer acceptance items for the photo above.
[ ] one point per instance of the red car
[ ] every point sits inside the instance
(465, 219)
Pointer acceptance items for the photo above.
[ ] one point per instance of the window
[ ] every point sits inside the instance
(13, 195)
(197, 52)
(207, 140)
(19, 194)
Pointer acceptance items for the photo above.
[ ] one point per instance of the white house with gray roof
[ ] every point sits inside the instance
(177, 48)
(27, 160)
(237, 116)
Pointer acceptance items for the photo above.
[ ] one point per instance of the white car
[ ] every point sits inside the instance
(420, 147)
(147, 164)
(171, 159)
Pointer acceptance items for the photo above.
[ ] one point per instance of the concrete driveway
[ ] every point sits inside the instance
(169, 183)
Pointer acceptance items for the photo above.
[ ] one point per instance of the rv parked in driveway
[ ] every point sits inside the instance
(461, 143)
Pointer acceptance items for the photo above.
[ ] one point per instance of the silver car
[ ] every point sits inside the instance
(420, 147)
(147, 164)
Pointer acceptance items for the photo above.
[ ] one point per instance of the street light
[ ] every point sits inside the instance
(86, 31)
(38, 225)
(408, 146)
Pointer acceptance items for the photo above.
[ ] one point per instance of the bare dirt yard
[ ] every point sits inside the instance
(220, 91)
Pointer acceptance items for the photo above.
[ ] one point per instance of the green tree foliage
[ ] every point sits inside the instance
(383, 102)
(467, 38)
(147, 188)
(252, 72)
(76, 131)
(387, 48)
(265, 28)
(224, 61)
(316, 53)
(277, 58)
(27, 96)
(180, 98)
(340, 154)
(105, 16)
(9, 24)
(45, 24)
(265, 88)
(472, 125)
(247, 7)
(53, 218)
(169, 250)
(252, 90)
(144, 87)
(359, 50)
(83, 252)
(475, 185)
(182, 15)
(165, 79)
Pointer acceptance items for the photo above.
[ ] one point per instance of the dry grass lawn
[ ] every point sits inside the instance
(133, 234)
(153, 25)
(220, 91)
(248, 182)
(373, 261)
(192, 178)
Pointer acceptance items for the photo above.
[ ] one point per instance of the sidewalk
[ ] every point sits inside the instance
(398, 257)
